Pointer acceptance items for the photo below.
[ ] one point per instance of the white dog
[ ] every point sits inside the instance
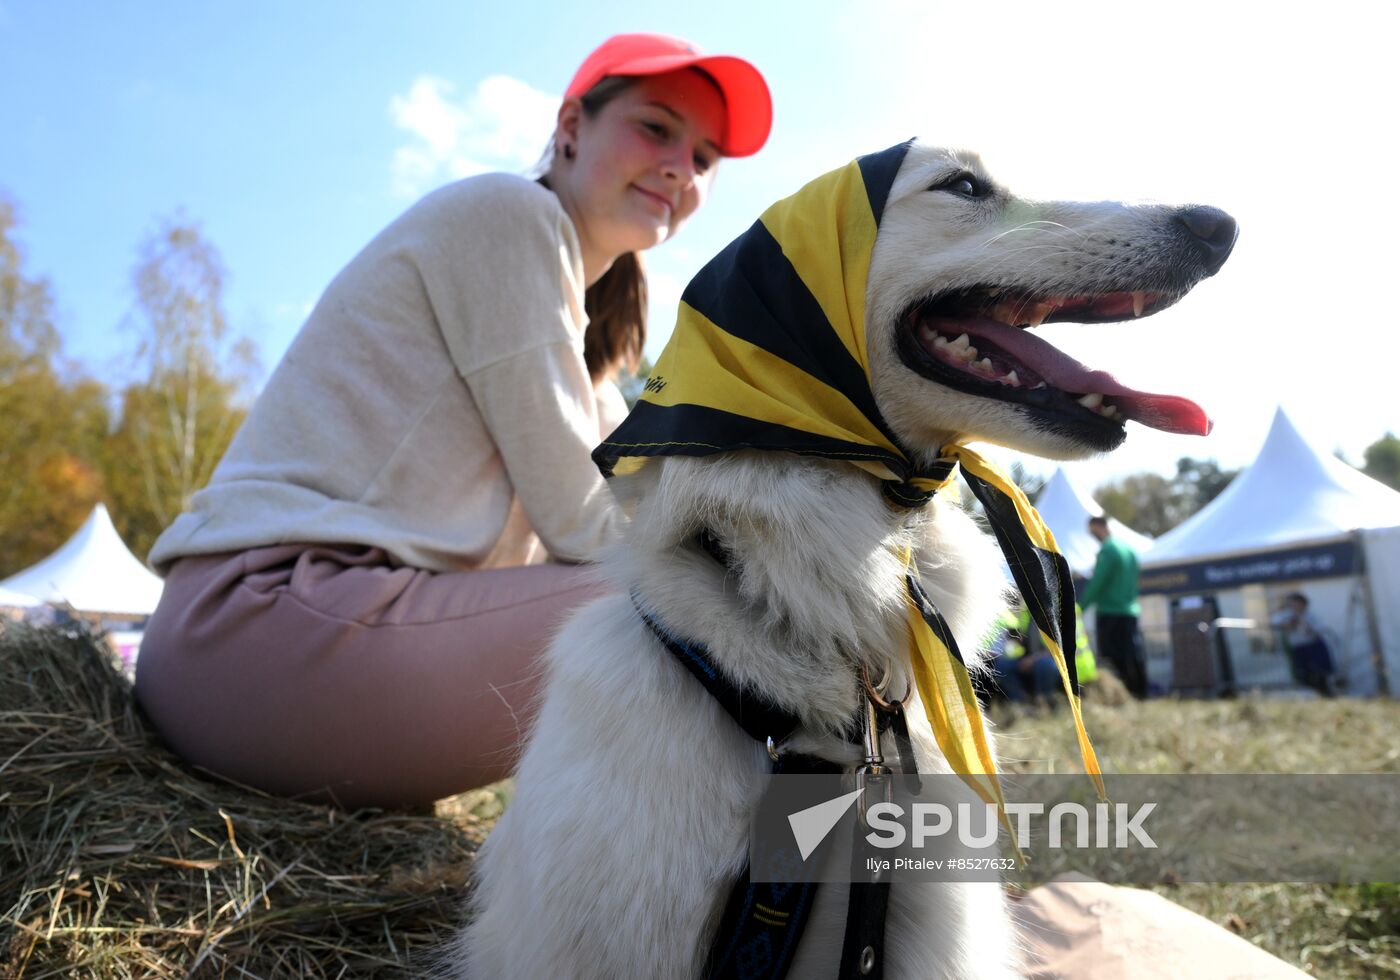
(630, 817)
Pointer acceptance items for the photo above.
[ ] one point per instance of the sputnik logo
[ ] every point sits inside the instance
(810, 826)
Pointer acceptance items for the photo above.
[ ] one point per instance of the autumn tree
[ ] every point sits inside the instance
(1154, 504)
(1145, 502)
(1199, 481)
(53, 418)
(1382, 460)
(180, 414)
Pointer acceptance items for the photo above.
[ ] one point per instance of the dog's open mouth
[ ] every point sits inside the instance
(976, 341)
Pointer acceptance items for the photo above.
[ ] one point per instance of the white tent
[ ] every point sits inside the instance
(1066, 509)
(17, 600)
(1382, 547)
(1295, 518)
(1290, 493)
(93, 572)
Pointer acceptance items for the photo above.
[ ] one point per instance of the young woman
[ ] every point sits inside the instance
(355, 606)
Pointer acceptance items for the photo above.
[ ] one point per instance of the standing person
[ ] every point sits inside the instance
(1308, 654)
(356, 606)
(1114, 590)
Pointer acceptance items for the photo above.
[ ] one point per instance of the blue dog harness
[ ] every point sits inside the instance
(764, 921)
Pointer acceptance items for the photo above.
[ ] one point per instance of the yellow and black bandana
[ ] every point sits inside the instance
(769, 353)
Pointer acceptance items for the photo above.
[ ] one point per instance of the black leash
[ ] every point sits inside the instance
(764, 921)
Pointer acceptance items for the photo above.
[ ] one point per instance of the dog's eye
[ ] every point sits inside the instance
(963, 184)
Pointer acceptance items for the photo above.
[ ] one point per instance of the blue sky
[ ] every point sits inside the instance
(292, 132)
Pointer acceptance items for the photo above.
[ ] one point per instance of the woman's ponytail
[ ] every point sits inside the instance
(617, 317)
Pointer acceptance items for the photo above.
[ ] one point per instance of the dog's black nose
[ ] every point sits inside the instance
(1214, 232)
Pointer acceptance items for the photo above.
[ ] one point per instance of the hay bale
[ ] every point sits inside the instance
(119, 861)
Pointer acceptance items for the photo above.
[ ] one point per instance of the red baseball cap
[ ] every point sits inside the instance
(746, 98)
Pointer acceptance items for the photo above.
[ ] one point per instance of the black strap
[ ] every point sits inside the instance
(898, 722)
(863, 950)
(755, 714)
(764, 921)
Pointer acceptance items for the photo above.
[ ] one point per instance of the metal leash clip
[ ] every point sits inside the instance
(874, 779)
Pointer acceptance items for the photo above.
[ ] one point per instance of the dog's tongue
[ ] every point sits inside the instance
(1170, 413)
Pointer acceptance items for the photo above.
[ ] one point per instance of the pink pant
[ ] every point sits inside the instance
(326, 673)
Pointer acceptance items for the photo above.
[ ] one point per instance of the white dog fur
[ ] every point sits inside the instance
(632, 802)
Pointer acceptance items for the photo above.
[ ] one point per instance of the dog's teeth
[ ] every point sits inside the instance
(962, 348)
(1110, 411)
(1139, 300)
(1038, 313)
(1039, 386)
(985, 364)
(940, 342)
(1011, 379)
(1091, 401)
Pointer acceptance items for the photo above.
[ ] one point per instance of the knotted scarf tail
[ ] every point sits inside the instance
(946, 689)
(953, 710)
(1041, 574)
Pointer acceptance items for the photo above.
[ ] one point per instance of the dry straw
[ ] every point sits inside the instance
(119, 861)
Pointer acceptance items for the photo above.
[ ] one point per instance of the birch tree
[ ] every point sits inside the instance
(193, 375)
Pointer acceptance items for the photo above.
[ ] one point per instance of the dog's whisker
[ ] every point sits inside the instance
(1065, 229)
(1034, 226)
(1029, 264)
(1012, 255)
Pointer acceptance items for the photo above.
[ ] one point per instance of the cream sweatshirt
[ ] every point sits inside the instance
(435, 404)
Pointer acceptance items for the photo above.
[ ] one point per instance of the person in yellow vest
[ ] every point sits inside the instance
(1024, 669)
(1083, 653)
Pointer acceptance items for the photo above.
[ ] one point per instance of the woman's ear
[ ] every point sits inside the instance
(566, 127)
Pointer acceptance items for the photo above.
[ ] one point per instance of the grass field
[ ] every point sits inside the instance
(1346, 931)
(117, 861)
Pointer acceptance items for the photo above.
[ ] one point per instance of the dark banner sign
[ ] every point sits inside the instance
(1315, 561)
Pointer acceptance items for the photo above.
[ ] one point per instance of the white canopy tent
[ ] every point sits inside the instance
(1296, 518)
(1066, 508)
(17, 600)
(1382, 548)
(93, 572)
(1290, 493)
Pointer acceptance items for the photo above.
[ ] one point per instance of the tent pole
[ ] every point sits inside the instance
(1377, 651)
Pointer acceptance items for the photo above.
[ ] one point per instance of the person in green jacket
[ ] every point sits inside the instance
(1114, 590)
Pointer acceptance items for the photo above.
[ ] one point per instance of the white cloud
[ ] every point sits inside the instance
(503, 124)
(294, 310)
